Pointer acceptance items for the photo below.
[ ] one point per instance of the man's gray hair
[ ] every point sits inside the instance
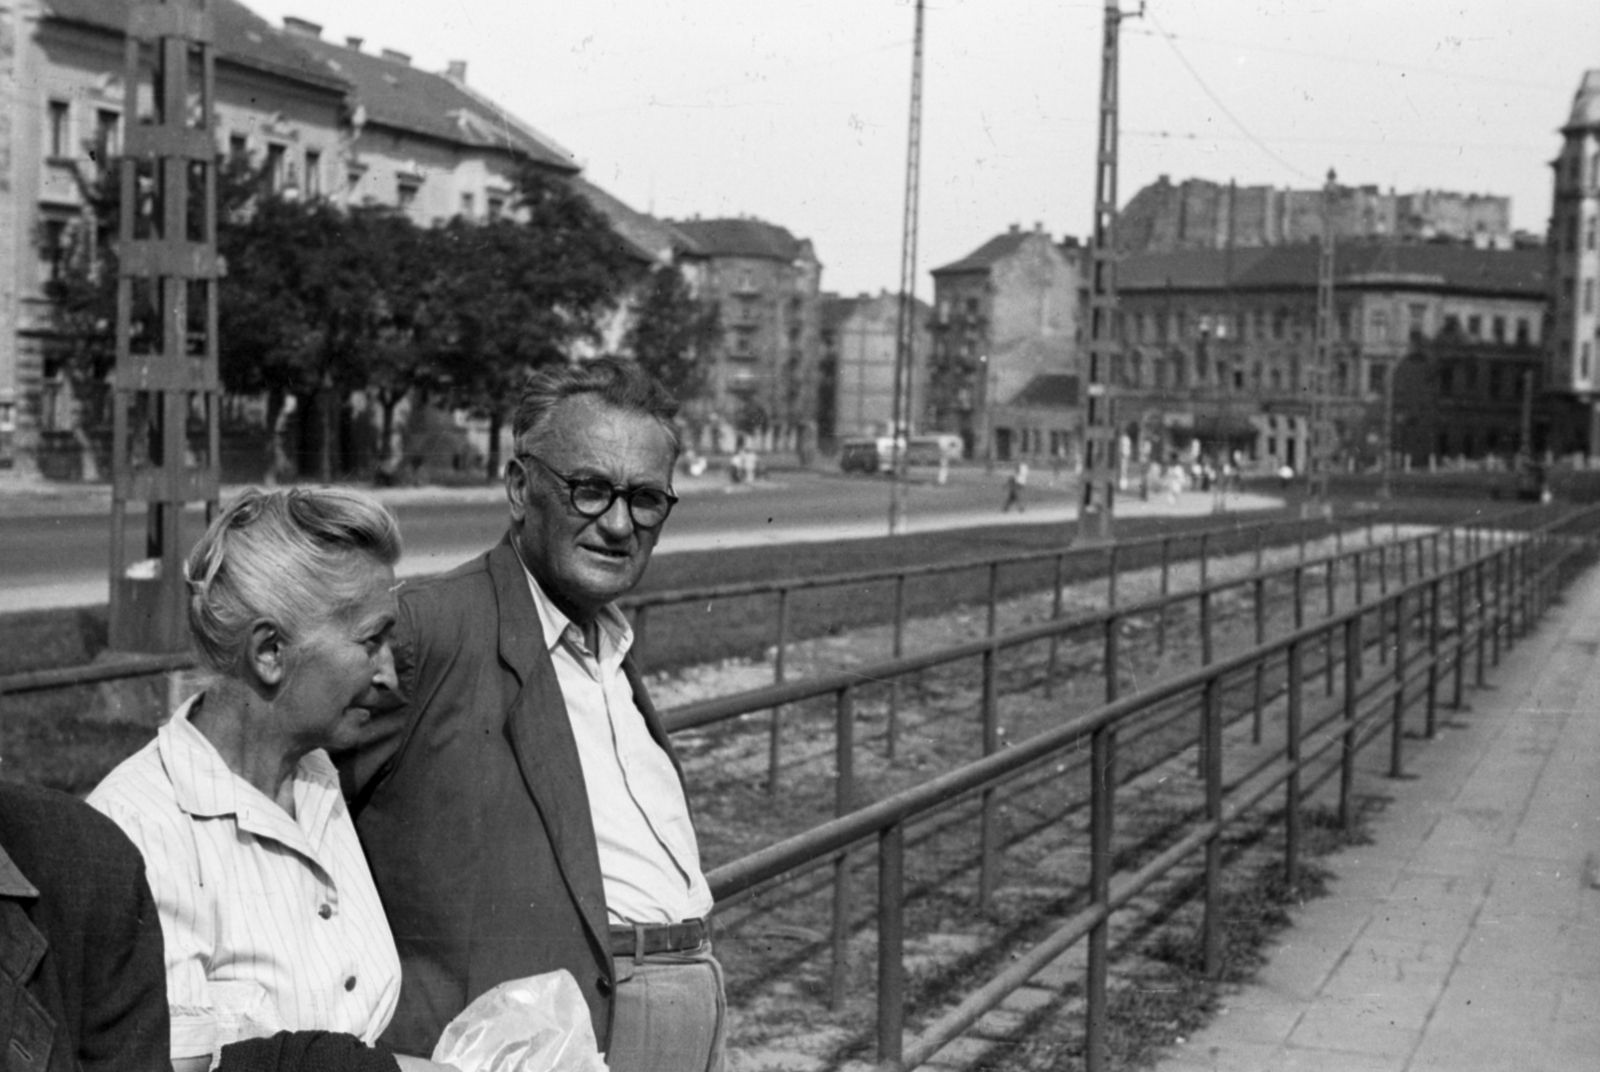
(286, 556)
(614, 381)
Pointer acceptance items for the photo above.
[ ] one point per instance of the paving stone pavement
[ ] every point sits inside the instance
(1467, 936)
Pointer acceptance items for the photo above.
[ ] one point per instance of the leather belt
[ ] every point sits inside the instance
(642, 939)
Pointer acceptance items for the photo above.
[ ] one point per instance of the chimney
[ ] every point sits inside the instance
(1016, 228)
(1038, 226)
(302, 27)
(354, 43)
(456, 71)
(397, 57)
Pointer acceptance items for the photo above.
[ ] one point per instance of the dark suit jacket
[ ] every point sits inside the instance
(471, 805)
(83, 982)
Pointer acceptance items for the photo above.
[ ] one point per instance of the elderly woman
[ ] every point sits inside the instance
(269, 914)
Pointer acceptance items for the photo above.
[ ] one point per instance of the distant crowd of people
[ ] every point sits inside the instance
(387, 800)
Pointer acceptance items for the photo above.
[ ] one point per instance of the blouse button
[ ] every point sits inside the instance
(326, 911)
(350, 983)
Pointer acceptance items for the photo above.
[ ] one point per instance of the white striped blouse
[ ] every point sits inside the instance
(270, 922)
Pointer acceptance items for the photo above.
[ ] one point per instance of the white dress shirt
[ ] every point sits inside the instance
(271, 922)
(649, 859)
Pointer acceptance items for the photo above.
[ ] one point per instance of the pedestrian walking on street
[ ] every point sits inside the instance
(1016, 483)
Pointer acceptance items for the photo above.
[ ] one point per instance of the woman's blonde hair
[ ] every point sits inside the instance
(286, 556)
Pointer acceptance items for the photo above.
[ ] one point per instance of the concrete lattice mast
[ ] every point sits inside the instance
(1320, 439)
(166, 447)
(905, 338)
(1097, 493)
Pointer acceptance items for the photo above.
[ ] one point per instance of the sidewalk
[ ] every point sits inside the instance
(1467, 936)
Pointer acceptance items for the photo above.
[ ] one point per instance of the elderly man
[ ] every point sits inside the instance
(523, 810)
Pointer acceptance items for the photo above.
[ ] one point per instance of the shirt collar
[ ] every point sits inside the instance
(615, 632)
(203, 785)
(13, 883)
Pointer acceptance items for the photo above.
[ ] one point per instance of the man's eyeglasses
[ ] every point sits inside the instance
(592, 497)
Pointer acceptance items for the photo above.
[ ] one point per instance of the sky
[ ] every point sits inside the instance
(796, 111)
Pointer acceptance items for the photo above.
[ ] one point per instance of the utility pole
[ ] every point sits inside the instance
(1097, 493)
(166, 445)
(15, 30)
(905, 339)
(1320, 440)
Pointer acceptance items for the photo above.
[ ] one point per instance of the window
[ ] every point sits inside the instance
(1419, 321)
(275, 175)
(1380, 324)
(107, 135)
(238, 147)
(313, 173)
(1447, 381)
(405, 193)
(1583, 361)
(1523, 338)
(53, 246)
(60, 131)
(1496, 381)
(496, 206)
(1499, 327)
(1588, 234)
(1588, 295)
(469, 204)
(1475, 327)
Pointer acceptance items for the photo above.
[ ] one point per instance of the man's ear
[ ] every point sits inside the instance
(517, 488)
(267, 653)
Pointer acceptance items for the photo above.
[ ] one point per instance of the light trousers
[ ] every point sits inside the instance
(670, 1013)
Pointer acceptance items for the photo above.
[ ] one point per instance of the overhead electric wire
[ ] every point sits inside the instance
(1223, 108)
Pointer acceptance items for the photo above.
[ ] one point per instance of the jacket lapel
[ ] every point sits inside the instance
(541, 738)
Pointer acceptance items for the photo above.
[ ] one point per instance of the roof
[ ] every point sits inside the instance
(985, 256)
(651, 239)
(741, 238)
(1515, 272)
(242, 37)
(393, 93)
(1048, 389)
(1586, 102)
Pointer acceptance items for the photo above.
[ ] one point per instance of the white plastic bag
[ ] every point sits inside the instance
(537, 1024)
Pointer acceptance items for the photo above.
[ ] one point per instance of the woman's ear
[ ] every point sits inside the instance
(267, 653)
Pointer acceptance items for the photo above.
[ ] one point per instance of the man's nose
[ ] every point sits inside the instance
(618, 518)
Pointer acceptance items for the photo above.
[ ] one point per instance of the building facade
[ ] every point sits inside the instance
(858, 358)
(1200, 214)
(767, 285)
(322, 119)
(1574, 251)
(1005, 315)
(1220, 352)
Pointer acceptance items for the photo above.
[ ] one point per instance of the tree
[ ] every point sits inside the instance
(514, 294)
(673, 336)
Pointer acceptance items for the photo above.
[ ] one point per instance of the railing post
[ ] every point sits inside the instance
(1101, 802)
(990, 803)
(1113, 567)
(1207, 648)
(1261, 549)
(1397, 728)
(891, 943)
(1291, 802)
(1347, 757)
(1358, 563)
(1257, 715)
(1299, 577)
(1430, 723)
(1383, 603)
(1481, 612)
(1205, 558)
(1213, 777)
(775, 727)
(1460, 609)
(844, 795)
(1498, 608)
(1331, 576)
(994, 596)
(1055, 638)
(891, 739)
(1166, 587)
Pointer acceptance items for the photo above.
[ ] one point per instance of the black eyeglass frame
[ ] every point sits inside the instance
(613, 493)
